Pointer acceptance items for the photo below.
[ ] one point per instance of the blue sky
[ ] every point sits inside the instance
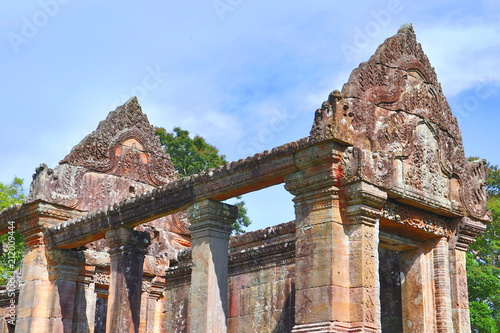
(246, 75)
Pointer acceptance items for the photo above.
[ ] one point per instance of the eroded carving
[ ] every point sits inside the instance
(393, 110)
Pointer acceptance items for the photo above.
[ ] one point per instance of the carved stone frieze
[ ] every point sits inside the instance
(101, 278)
(417, 218)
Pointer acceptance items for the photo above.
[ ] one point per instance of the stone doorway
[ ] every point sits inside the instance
(390, 291)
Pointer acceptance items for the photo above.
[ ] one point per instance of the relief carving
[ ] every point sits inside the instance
(122, 158)
(416, 218)
(393, 110)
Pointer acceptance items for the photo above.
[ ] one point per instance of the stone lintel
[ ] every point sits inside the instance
(240, 177)
(335, 327)
(411, 222)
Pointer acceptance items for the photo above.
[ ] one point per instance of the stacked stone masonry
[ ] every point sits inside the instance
(385, 201)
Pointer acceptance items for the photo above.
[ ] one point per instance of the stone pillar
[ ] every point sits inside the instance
(85, 301)
(467, 229)
(48, 282)
(321, 249)
(127, 248)
(444, 321)
(364, 203)
(417, 289)
(154, 308)
(152, 291)
(459, 292)
(337, 245)
(210, 230)
(33, 309)
(67, 265)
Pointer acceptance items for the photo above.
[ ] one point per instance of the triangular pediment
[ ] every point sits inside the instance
(394, 112)
(124, 145)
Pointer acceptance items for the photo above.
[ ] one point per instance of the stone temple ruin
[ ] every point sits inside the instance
(385, 201)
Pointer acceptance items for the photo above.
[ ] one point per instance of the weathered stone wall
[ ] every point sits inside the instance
(261, 283)
(262, 280)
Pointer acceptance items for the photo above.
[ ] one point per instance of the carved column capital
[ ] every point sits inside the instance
(157, 288)
(365, 202)
(211, 218)
(122, 240)
(466, 231)
(306, 187)
(86, 276)
(66, 264)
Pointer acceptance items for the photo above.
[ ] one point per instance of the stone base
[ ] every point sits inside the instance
(335, 327)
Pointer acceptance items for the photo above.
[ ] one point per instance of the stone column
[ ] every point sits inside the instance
(66, 267)
(444, 321)
(321, 248)
(467, 229)
(459, 292)
(127, 248)
(337, 245)
(33, 309)
(154, 309)
(48, 282)
(152, 291)
(85, 301)
(417, 289)
(364, 203)
(210, 230)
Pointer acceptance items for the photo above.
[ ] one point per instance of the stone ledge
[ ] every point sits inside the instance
(262, 236)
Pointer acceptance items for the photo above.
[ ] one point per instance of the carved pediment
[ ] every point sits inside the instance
(124, 145)
(394, 114)
(122, 158)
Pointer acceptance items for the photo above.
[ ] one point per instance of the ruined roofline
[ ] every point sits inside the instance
(236, 178)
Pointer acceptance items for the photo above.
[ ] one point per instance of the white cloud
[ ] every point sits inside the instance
(462, 55)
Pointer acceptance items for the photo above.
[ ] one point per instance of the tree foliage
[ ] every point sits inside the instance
(189, 156)
(193, 155)
(12, 241)
(483, 265)
(11, 193)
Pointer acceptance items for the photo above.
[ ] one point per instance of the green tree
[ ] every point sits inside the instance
(193, 155)
(11, 193)
(10, 260)
(483, 265)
